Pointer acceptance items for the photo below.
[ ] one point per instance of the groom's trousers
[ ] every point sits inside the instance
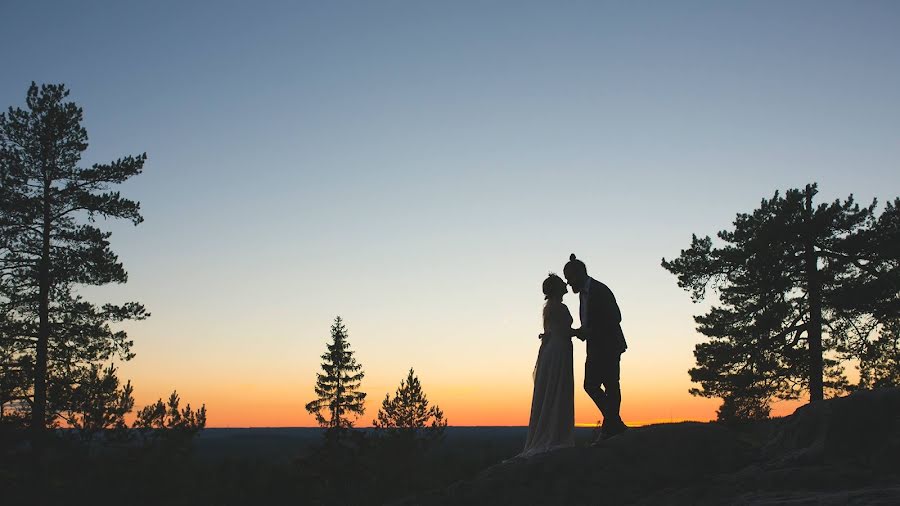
(601, 382)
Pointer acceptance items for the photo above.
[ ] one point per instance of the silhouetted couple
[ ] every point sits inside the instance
(552, 422)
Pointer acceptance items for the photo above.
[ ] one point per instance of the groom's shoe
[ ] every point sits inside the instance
(609, 431)
(599, 434)
(602, 435)
(615, 430)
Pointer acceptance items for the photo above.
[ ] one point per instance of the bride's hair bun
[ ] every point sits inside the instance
(553, 285)
(572, 257)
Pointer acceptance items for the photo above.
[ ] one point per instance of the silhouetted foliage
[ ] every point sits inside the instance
(50, 337)
(14, 382)
(407, 430)
(867, 303)
(97, 403)
(337, 386)
(879, 360)
(409, 411)
(791, 279)
(166, 428)
(167, 415)
(745, 407)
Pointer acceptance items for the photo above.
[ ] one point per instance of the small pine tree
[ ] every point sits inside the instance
(407, 426)
(409, 409)
(165, 428)
(337, 386)
(167, 416)
(97, 403)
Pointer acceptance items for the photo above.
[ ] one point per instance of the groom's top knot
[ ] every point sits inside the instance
(574, 266)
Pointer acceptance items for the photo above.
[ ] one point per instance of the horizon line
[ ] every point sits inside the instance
(643, 423)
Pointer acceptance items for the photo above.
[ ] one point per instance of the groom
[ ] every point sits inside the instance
(601, 331)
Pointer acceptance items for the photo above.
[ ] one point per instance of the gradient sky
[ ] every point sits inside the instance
(419, 167)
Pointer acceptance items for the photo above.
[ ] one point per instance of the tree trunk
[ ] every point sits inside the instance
(814, 292)
(39, 410)
(336, 402)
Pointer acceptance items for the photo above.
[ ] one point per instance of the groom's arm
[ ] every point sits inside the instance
(575, 333)
(580, 333)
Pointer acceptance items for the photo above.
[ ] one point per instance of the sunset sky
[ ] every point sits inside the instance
(419, 167)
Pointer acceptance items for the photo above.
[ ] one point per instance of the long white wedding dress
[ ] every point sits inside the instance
(552, 422)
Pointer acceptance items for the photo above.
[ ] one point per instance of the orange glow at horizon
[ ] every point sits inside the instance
(248, 408)
(479, 371)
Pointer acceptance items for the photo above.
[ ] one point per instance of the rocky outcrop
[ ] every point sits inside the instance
(840, 451)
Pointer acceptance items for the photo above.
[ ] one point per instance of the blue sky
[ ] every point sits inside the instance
(419, 167)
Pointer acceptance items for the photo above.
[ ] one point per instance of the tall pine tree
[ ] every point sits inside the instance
(49, 335)
(337, 386)
(782, 278)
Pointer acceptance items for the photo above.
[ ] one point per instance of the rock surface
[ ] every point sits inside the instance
(840, 451)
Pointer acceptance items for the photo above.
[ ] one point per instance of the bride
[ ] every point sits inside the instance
(552, 422)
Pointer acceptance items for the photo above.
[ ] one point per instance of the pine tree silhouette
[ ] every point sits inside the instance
(337, 386)
(796, 281)
(409, 409)
(50, 245)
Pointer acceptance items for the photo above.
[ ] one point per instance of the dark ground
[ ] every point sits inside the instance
(284, 444)
(255, 466)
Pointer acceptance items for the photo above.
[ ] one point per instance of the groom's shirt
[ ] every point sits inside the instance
(583, 301)
(600, 314)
